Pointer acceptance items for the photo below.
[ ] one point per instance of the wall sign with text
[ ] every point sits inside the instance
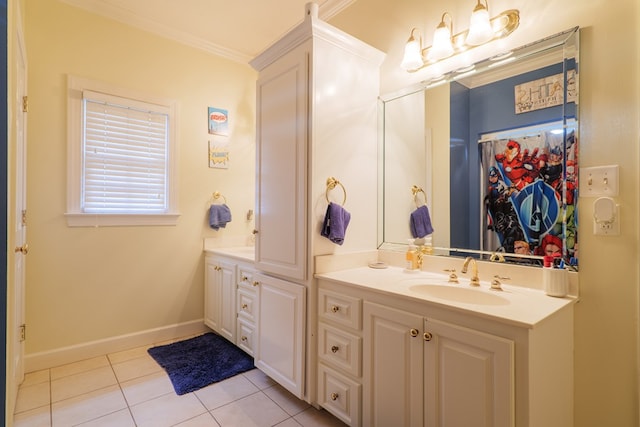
(545, 92)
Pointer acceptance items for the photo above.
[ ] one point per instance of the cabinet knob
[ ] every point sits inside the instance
(245, 278)
(243, 339)
(335, 308)
(334, 396)
(244, 306)
(255, 283)
(255, 231)
(335, 348)
(414, 332)
(427, 336)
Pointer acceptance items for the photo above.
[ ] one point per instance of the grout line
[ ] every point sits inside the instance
(124, 396)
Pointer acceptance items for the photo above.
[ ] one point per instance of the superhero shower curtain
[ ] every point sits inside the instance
(528, 187)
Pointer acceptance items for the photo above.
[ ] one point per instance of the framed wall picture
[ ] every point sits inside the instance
(218, 121)
(218, 156)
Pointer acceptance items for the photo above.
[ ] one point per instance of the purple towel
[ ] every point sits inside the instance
(335, 223)
(420, 222)
(219, 216)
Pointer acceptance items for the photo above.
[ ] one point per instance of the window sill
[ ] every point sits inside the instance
(119, 220)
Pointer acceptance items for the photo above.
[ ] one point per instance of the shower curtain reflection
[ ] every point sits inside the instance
(528, 188)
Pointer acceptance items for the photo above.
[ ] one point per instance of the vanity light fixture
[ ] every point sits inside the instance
(481, 31)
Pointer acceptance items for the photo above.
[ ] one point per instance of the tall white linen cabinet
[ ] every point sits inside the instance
(316, 118)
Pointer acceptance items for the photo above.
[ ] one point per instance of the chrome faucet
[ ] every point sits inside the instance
(475, 280)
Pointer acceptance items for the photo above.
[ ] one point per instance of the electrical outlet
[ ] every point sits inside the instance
(606, 219)
(607, 228)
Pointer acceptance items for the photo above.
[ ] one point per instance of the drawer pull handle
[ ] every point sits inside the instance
(414, 332)
(427, 336)
(334, 349)
(335, 308)
(244, 339)
(334, 396)
(255, 283)
(244, 306)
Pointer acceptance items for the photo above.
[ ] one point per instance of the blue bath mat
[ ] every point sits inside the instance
(197, 362)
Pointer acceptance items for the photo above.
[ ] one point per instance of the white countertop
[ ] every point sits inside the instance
(243, 253)
(517, 305)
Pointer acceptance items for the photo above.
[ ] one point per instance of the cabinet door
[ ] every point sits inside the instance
(219, 295)
(393, 367)
(469, 377)
(280, 327)
(281, 150)
(211, 294)
(227, 326)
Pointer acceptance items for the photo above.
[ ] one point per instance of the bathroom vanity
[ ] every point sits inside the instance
(412, 349)
(375, 347)
(262, 315)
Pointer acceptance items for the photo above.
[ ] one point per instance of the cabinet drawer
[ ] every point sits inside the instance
(245, 275)
(341, 309)
(245, 331)
(340, 349)
(339, 395)
(247, 304)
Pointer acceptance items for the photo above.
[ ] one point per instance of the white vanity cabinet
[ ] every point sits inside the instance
(422, 372)
(469, 377)
(340, 355)
(393, 367)
(220, 296)
(281, 326)
(282, 108)
(427, 364)
(316, 117)
(263, 315)
(247, 309)
(230, 300)
(316, 94)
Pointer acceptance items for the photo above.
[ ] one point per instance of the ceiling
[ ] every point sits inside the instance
(237, 30)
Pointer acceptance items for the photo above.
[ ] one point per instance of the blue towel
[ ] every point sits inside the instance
(420, 222)
(219, 216)
(335, 223)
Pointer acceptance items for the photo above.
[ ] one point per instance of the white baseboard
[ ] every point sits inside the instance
(64, 355)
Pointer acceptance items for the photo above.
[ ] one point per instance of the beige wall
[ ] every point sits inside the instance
(606, 319)
(86, 284)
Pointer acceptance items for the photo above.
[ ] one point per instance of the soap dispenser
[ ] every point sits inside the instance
(411, 257)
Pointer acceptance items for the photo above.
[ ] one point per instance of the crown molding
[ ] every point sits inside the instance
(102, 8)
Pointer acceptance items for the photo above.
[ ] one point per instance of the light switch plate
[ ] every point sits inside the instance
(599, 181)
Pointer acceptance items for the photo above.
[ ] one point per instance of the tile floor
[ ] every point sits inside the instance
(130, 389)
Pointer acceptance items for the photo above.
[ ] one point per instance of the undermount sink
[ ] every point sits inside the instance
(459, 294)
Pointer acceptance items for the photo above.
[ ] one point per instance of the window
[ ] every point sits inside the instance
(122, 157)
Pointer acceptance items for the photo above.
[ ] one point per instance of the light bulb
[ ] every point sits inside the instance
(442, 47)
(412, 59)
(480, 30)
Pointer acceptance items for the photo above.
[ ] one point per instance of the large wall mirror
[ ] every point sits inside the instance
(494, 149)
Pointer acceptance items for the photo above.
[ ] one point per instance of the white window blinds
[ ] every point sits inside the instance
(125, 156)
